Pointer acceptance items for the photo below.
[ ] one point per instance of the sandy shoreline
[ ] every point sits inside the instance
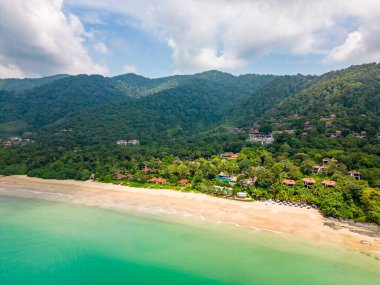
(291, 221)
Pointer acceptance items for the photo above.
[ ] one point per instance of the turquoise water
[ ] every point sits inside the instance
(53, 243)
(225, 179)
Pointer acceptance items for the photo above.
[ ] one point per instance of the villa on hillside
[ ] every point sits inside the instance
(289, 183)
(229, 155)
(127, 142)
(263, 138)
(157, 180)
(183, 182)
(328, 183)
(119, 176)
(355, 174)
(319, 169)
(309, 182)
(329, 160)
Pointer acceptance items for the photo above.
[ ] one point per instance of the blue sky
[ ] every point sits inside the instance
(166, 37)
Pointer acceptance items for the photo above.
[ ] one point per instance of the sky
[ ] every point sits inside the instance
(158, 38)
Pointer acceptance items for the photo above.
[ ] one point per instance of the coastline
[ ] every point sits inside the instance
(261, 216)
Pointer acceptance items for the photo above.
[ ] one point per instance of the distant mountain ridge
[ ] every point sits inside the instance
(105, 108)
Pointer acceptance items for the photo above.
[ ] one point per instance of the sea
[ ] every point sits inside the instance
(44, 242)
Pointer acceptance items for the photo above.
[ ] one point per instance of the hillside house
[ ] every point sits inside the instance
(241, 195)
(289, 183)
(122, 142)
(229, 155)
(249, 182)
(355, 173)
(119, 176)
(263, 138)
(329, 160)
(309, 182)
(157, 180)
(319, 169)
(183, 182)
(127, 142)
(134, 142)
(328, 183)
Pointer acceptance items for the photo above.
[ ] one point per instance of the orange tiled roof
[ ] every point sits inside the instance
(328, 183)
(309, 180)
(289, 182)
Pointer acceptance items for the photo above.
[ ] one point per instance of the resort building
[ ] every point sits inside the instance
(127, 142)
(319, 169)
(241, 195)
(157, 180)
(119, 176)
(289, 183)
(263, 138)
(134, 142)
(229, 155)
(308, 182)
(122, 142)
(249, 182)
(355, 174)
(329, 160)
(183, 182)
(328, 183)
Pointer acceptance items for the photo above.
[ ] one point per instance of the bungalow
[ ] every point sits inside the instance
(133, 142)
(183, 182)
(242, 195)
(328, 183)
(229, 155)
(130, 176)
(355, 174)
(319, 169)
(249, 182)
(122, 142)
(329, 160)
(146, 170)
(308, 182)
(263, 138)
(119, 176)
(157, 180)
(289, 183)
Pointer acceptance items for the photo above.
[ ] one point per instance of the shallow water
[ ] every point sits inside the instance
(54, 243)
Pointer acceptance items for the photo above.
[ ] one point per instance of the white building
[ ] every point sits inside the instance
(264, 138)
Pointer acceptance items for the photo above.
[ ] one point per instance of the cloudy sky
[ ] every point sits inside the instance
(158, 38)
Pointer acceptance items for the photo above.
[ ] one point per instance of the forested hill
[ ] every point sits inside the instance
(351, 95)
(195, 106)
(30, 110)
(248, 109)
(18, 85)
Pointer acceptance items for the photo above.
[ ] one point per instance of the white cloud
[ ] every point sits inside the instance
(129, 68)
(101, 47)
(37, 38)
(227, 34)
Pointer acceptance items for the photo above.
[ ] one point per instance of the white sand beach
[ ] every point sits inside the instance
(279, 219)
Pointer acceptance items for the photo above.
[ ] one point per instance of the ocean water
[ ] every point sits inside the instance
(54, 243)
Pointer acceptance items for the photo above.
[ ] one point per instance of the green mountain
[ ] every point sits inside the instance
(352, 95)
(18, 85)
(41, 106)
(247, 110)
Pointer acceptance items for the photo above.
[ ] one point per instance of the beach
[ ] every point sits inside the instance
(259, 216)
